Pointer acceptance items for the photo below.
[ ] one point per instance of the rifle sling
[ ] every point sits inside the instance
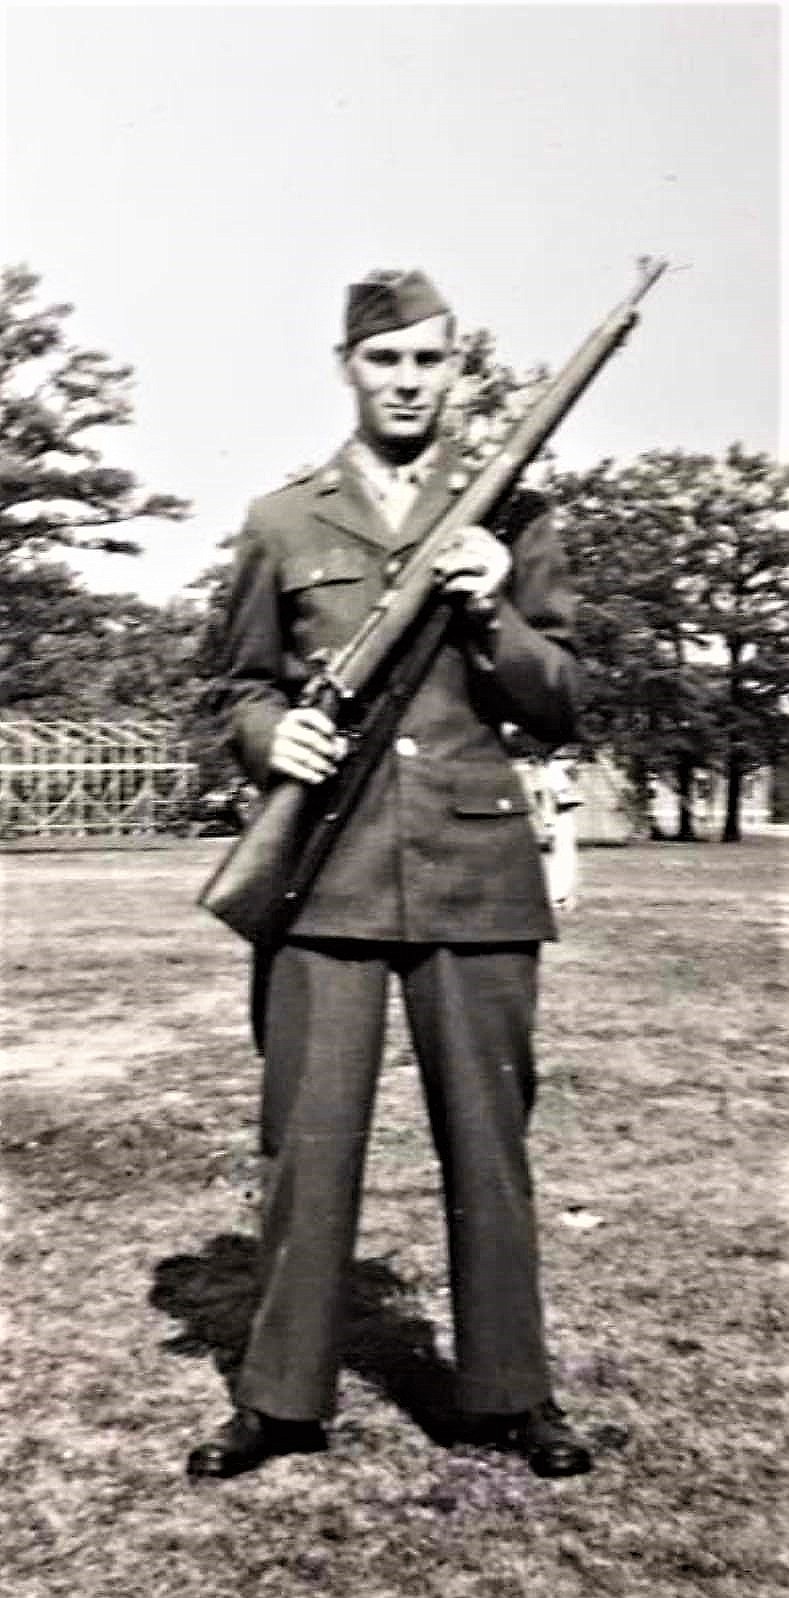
(369, 741)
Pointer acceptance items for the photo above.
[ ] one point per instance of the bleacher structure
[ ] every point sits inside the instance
(79, 779)
(65, 780)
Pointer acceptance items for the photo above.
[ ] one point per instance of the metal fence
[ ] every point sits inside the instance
(75, 779)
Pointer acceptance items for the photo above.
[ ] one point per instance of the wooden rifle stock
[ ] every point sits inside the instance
(259, 886)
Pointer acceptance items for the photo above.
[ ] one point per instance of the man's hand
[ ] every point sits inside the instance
(473, 564)
(306, 745)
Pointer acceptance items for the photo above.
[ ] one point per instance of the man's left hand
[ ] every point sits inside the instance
(473, 564)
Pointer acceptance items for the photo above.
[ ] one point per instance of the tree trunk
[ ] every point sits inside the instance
(642, 817)
(779, 797)
(731, 828)
(685, 769)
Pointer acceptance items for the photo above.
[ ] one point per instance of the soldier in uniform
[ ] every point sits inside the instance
(436, 877)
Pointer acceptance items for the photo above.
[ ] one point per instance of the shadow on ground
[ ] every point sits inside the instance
(388, 1342)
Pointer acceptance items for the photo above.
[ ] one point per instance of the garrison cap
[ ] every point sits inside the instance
(385, 300)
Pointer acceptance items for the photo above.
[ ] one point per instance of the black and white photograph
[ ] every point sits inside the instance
(394, 801)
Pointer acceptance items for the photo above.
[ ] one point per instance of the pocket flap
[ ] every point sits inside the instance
(489, 793)
(326, 566)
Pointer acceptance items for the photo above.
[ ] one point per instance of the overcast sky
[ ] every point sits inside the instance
(202, 183)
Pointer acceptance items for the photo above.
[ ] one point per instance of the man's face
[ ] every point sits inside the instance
(400, 380)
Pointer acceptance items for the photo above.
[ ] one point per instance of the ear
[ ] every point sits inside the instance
(342, 355)
(452, 370)
(455, 364)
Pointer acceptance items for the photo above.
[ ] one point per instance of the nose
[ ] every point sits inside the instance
(407, 376)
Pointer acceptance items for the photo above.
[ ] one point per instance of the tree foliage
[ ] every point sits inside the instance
(56, 491)
(681, 564)
(66, 652)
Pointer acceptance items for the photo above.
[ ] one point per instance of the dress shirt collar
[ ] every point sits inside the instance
(382, 475)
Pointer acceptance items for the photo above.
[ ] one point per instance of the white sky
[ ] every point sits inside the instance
(202, 183)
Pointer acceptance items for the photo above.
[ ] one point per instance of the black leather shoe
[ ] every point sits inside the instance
(546, 1439)
(542, 1435)
(248, 1439)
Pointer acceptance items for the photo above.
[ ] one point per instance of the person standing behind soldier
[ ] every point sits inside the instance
(436, 877)
(564, 800)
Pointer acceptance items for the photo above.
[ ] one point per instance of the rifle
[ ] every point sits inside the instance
(259, 886)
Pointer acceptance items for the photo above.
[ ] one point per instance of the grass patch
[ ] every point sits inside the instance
(133, 1198)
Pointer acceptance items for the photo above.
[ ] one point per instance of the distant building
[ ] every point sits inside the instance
(596, 791)
(607, 812)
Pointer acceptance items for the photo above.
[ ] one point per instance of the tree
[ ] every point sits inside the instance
(632, 565)
(68, 653)
(53, 641)
(742, 507)
(64, 650)
(151, 660)
(487, 398)
(56, 493)
(681, 561)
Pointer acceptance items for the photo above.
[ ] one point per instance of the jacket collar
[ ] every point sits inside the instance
(340, 498)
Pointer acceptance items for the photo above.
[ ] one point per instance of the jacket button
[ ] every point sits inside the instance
(406, 746)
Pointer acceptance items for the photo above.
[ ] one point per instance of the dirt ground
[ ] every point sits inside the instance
(133, 1192)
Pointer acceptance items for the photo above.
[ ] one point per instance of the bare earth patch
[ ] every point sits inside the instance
(133, 1199)
(82, 993)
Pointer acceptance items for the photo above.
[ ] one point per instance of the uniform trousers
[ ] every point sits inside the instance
(470, 1011)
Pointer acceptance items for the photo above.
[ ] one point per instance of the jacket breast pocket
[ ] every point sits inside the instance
(300, 572)
(324, 596)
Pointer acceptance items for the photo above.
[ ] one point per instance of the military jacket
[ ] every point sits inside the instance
(440, 847)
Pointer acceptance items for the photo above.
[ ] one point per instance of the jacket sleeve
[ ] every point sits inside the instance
(253, 694)
(528, 656)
